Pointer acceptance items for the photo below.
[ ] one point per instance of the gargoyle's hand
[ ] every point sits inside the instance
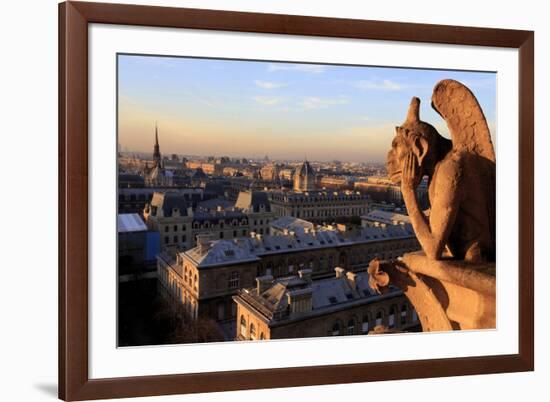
(378, 279)
(410, 176)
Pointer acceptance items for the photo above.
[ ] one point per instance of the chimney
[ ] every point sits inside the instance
(203, 242)
(305, 274)
(300, 300)
(263, 283)
(340, 272)
(352, 278)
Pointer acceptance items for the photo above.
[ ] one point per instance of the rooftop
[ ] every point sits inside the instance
(345, 290)
(130, 223)
(253, 201)
(386, 217)
(290, 223)
(251, 248)
(169, 202)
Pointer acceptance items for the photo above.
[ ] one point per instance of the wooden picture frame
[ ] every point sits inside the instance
(74, 381)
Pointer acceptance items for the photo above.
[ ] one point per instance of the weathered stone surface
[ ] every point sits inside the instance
(452, 283)
(446, 294)
(461, 177)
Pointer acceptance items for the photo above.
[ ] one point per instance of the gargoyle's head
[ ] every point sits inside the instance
(414, 136)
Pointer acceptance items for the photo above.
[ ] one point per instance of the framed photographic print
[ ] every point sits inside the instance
(260, 200)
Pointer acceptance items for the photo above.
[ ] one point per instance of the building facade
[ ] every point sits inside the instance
(305, 178)
(222, 267)
(179, 223)
(134, 200)
(299, 307)
(382, 189)
(319, 206)
(336, 182)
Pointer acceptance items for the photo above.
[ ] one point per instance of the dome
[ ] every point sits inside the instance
(306, 169)
(304, 178)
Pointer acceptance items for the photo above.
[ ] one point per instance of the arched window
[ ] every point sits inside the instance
(262, 336)
(391, 318)
(336, 329)
(365, 325)
(252, 331)
(351, 326)
(243, 326)
(379, 317)
(404, 309)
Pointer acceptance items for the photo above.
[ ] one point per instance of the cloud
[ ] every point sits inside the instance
(268, 100)
(305, 68)
(380, 85)
(314, 102)
(268, 85)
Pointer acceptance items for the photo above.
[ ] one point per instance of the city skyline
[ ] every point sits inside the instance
(288, 111)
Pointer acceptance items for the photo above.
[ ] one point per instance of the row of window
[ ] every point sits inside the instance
(174, 289)
(175, 228)
(323, 263)
(392, 322)
(253, 333)
(344, 198)
(175, 239)
(337, 329)
(327, 213)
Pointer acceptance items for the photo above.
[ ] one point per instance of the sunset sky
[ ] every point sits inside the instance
(283, 110)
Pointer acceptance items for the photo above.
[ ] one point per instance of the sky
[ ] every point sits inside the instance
(287, 111)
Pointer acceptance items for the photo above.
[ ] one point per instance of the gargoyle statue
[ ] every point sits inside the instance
(461, 176)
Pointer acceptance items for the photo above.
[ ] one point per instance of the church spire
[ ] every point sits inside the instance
(156, 149)
(156, 135)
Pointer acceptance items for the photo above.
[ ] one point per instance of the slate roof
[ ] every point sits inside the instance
(216, 216)
(168, 201)
(386, 217)
(261, 245)
(252, 201)
(130, 223)
(220, 252)
(130, 178)
(291, 223)
(214, 203)
(329, 294)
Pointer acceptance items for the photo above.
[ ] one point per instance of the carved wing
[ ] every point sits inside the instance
(466, 122)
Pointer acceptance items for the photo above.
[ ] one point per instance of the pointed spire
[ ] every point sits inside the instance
(156, 149)
(156, 134)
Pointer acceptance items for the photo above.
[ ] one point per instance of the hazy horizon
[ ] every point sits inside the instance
(288, 111)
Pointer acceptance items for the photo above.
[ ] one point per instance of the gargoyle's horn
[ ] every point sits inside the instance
(413, 115)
